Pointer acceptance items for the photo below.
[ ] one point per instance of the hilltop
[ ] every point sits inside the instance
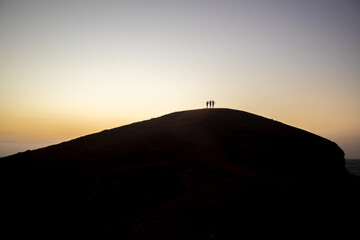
(198, 174)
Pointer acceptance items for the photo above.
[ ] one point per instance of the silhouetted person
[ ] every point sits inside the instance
(213, 103)
(207, 104)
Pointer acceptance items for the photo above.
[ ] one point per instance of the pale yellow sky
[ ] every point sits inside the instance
(71, 68)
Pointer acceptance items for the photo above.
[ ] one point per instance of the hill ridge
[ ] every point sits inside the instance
(214, 110)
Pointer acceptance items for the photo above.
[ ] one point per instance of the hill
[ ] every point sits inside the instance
(199, 174)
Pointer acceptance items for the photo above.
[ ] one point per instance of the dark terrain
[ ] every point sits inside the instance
(200, 174)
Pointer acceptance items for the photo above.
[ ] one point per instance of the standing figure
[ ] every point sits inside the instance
(207, 104)
(213, 103)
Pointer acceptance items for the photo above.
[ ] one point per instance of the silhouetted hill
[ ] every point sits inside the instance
(200, 174)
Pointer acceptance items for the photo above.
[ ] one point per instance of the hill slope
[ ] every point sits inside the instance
(234, 136)
(185, 175)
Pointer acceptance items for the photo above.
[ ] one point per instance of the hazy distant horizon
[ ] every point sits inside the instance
(71, 68)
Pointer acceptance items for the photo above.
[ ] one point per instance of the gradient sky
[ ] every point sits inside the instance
(73, 67)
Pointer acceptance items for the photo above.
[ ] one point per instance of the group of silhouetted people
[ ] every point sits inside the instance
(210, 104)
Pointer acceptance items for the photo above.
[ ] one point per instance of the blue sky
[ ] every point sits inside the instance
(70, 68)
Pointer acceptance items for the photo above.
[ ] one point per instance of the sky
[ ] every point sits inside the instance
(74, 67)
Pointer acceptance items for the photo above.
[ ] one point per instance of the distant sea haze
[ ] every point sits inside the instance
(353, 166)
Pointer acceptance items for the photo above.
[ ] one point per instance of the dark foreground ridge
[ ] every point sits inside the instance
(200, 174)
